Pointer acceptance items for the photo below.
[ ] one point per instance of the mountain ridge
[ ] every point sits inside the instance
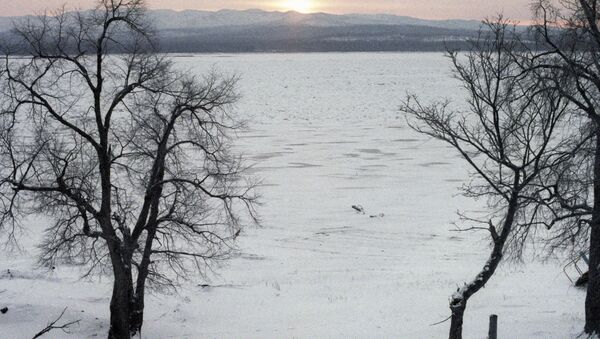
(172, 19)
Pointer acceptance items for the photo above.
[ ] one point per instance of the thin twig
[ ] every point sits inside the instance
(440, 322)
(53, 326)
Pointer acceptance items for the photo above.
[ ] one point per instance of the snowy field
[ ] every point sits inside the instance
(325, 134)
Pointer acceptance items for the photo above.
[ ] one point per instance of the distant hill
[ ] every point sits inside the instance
(168, 19)
(263, 31)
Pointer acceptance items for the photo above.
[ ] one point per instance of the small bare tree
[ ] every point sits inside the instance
(130, 158)
(507, 133)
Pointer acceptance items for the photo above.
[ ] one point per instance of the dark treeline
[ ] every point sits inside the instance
(300, 38)
(291, 38)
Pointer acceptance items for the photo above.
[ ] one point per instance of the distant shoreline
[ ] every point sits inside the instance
(193, 54)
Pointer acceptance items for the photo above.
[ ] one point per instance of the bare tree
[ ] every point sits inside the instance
(507, 133)
(570, 34)
(129, 157)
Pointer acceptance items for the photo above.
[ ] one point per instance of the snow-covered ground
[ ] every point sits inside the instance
(325, 134)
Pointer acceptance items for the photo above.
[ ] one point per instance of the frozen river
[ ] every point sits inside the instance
(324, 134)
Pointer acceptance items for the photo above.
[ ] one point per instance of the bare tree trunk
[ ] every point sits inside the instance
(592, 300)
(137, 306)
(136, 319)
(458, 302)
(120, 307)
(122, 296)
(456, 320)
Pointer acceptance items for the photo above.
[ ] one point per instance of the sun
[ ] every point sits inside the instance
(302, 6)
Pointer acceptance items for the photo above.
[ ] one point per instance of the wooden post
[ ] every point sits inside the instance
(493, 333)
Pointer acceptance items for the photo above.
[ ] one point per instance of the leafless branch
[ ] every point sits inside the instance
(53, 325)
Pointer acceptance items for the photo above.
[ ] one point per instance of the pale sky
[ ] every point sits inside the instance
(429, 9)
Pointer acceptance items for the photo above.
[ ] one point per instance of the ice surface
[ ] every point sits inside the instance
(325, 134)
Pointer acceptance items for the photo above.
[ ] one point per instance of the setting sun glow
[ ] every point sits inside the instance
(302, 6)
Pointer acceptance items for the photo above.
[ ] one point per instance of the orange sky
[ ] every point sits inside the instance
(430, 9)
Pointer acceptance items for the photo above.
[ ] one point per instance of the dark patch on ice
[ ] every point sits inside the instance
(258, 136)
(302, 165)
(406, 140)
(267, 156)
(434, 163)
(408, 148)
(370, 150)
(253, 257)
(337, 142)
(208, 288)
(269, 185)
(333, 230)
(351, 155)
(455, 238)
(364, 175)
(366, 167)
(360, 188)
(258, 169)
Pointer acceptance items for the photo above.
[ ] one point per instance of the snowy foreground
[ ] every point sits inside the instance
(325, 134)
